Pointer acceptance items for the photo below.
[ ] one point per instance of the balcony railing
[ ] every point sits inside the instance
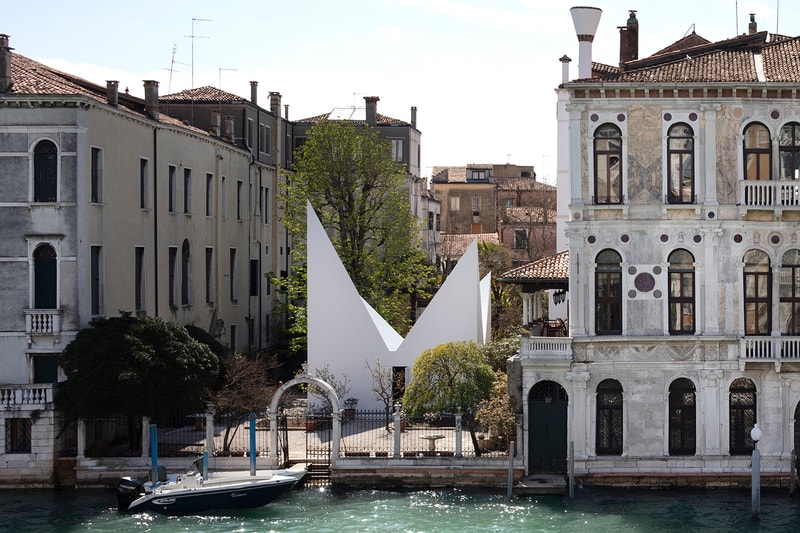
(778, 194)
(776, 350)
(546, 348)
(43, 321)
(15, 396)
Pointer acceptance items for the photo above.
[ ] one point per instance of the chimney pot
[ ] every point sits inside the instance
(112, 92)
(229, 127)
(372, 109)
(254, 92)
(413, 116)
(752, 27)
(216, 123)
(629, 39)
(585, 20)
(286, 108)
(6, 81)
(275, 103)
(151, 99)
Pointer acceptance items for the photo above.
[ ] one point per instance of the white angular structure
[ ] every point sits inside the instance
(345, 332)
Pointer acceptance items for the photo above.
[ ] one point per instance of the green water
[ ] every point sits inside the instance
(324, 510)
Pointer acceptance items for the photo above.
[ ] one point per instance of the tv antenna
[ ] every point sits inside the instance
(172, 67)
(193, 37)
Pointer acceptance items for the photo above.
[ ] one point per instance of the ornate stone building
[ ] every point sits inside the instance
(680, 201)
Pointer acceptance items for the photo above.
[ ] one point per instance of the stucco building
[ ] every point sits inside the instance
(680, 201)
(108, 205)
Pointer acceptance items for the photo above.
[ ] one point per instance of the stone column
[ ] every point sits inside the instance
(708, 292)
(273, 434)
(707, 413)
(336, 436)
(81, 438)
(459, 435)
(578, 417)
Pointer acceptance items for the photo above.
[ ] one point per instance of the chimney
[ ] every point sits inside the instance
(286, 108)
(112, 92)
(372, 109)
(413, 116)
(6, 81)
(629, 40)
(151, 99)
(254, 92)
(565, 61)
(275, 103)
(216, 123)
(752, 28)
(229, 126)
(585, 20)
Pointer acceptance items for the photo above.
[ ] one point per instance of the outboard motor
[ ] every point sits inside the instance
(128, 489)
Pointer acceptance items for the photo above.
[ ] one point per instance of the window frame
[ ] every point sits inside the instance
(609, 418)
(608, 275)
(612, 195)
(96, 170)
(144, 183)
(754, 151)
(172, 188)
(790, 151)
(138, 279)
(789, 293)
(186, 274)
(18, 435)
(742, 415)
(680, 160)
(96, 280)
(187, 191)
(757, 305)
(45, 172)
(677, 300)
(682, 405)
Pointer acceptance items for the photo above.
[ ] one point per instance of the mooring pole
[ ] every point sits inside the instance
(252, 444)
(511, 454)
(154, 451)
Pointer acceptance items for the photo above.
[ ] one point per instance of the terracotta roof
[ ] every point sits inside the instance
(728, 61)
(381, 120)
(454, 245)
(522, 184)
(551, 268)
(33, 78)
(203, 94)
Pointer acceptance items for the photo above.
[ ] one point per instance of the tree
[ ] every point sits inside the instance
(384, 384)
(496, 413)
(450, 378)
(139, 366)
(360, 194)
(506, 302)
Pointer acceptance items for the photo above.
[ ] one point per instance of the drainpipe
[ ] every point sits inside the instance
(155, 217)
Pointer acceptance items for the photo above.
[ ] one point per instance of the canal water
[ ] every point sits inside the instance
(326, 510)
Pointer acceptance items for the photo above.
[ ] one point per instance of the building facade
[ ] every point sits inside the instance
(110, 206)
(680, 172)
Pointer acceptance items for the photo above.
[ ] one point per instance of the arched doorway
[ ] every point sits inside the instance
(324, 387)
(547, 428)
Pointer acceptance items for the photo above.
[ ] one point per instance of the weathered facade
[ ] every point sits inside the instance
(680, 172)
(109, 206)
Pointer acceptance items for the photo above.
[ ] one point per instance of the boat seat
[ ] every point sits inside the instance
(190, 481)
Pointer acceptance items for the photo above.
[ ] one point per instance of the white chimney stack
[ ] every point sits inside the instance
(585, 20)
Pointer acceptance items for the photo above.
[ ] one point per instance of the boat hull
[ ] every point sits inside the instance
(218, 496)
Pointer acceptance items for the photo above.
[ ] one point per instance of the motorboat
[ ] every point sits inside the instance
(191, 493)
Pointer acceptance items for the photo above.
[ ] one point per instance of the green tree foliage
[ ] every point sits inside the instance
(506, 299)
(496, 413)
(498, 351)
(360, 194)
(141, 366)
(452, 377)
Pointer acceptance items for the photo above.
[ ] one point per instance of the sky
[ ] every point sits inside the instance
(481, 73)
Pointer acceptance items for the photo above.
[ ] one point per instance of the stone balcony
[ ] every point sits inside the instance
(773, 195)
(767, 349)
(556, 350)
(26, 396)
(42, 322)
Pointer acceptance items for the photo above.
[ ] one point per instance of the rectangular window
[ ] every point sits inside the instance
(233, 281)
(239, 185)
(262, 204)
(264, 134)
(251, 333)
(97, 175)
(478, 175)
(476, 203)
(138, 266)
(96, 266)
(18, 435)
(45, 368)
(438, 222)
(430, 220)
(223, 198)
(210, 276)
(249, 133)
(255, 278)
(187, 190)
(209, 194)
(234, 340)
(397, 150)
(172, 188)
(455, 203)
(144, 189)
(520, 239)
(267, 330)
(172, 289)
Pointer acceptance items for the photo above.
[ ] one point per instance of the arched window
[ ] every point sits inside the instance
(680, 170)
(757, 152)
(45, 172)
(789, 151)
(797, 428)
(682, 417)
(757, 293)
(608, 165)
(609, 418)
(742, 415)
(45, 276)
(186, 274)
(790, 293)
(681, 293)
(608, 293)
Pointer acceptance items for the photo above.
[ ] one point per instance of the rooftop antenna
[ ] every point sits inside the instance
(690, 30)
(193, 37)
(777, 16)
(737, 17)
(172, 67)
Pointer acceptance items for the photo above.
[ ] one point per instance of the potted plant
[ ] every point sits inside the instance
(350, 408)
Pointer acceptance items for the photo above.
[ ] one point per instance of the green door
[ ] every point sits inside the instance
(547, 428)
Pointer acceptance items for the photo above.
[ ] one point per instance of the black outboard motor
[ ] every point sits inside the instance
(128, 489)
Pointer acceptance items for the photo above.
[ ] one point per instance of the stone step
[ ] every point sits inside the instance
(541, 484)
